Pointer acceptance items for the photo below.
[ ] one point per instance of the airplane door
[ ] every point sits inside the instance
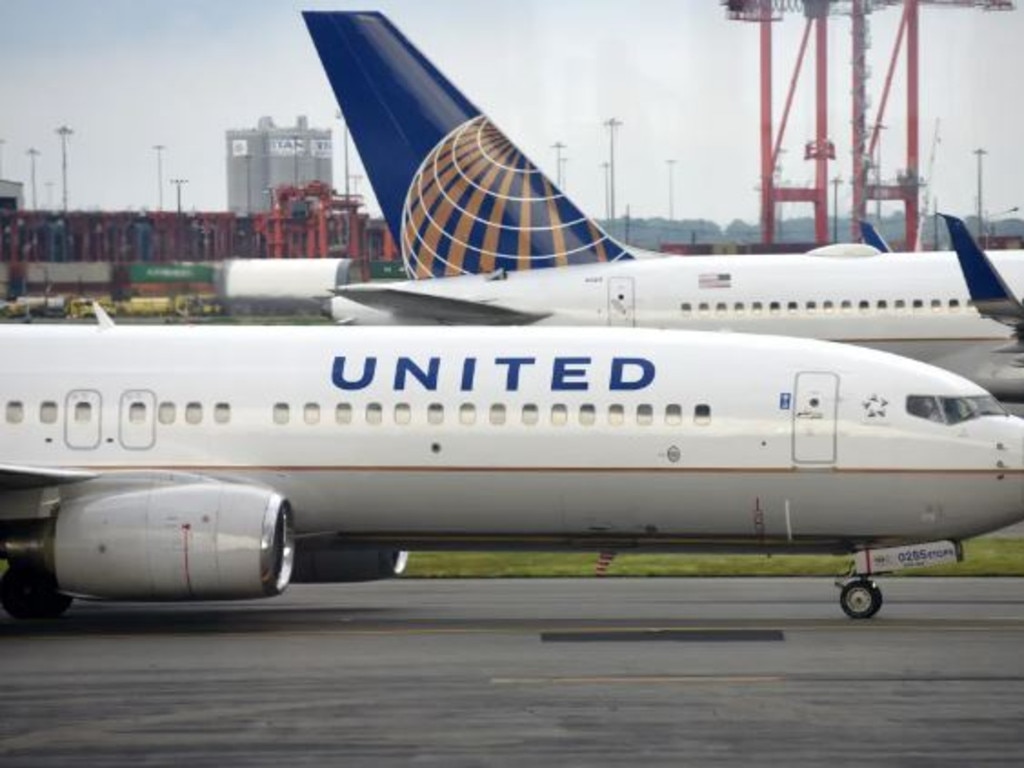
(814, 418)
(83, 410)
(137, 420)
(621, 298)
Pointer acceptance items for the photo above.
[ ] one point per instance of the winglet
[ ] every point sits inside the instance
(102, 318)
(989, 292)
(871, 237)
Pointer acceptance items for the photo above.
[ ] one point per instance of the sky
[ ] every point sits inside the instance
(126, 75)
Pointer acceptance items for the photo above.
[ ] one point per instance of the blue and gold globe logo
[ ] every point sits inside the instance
(478, 205)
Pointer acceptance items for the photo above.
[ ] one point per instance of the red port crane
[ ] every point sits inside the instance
(820, 149)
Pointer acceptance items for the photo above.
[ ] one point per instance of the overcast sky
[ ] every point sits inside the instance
(128, 74)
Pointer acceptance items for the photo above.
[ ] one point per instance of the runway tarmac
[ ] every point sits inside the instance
(727, 672)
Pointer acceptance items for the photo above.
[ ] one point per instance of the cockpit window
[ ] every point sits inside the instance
(925, 407)
(953, 410)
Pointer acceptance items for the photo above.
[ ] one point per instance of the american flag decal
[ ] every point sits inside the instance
(714, 280)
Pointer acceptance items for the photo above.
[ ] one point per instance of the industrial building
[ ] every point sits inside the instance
(11, 195)
(261, 159)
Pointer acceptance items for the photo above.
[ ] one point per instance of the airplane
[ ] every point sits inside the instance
(465, 204)
(168, 463)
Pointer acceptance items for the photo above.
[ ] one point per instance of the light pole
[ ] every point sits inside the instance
(33, 153)
(178, 183)
(558, 147)
(671, 189)
(611, 124)
(980, 153)
(835, 208)
(49, 195)
(64, 132)
(159, 175)
(2, 142)
(607, 198)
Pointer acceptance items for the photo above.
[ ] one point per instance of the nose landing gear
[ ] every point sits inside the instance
(860, 598)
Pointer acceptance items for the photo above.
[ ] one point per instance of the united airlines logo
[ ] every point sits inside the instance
(477, 205)
(579, 374)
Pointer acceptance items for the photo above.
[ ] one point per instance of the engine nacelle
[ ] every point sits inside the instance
(332, 562)
(193, 541)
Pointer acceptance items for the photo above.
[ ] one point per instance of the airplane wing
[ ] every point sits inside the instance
(439, 309)
(19, 478)
(989, 292)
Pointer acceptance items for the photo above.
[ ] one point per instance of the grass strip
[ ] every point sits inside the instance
(982, 557)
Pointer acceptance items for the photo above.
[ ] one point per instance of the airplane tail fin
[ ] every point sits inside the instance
(871, 237)
(989, 292)
(458, 196)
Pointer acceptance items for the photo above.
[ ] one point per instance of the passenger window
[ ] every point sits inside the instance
(166, 413)
(739, 308)
(48, 412)
(792, 307)
(531, 414)
(685, 307)
(827, 307)
(403, 414)
(936, 305)
(812, 307)
(343, 413)
(918, 304)
(721, 308)
(673, 415)
(467, 414)
(194, 413)
(900, 304)
(137, 413)
(374, 414)
(588, 415)
(774, 308)
(703, 308)
(559, 415)
(616, 415)
(311, 413)
(954, 304)
(222, 413)
(435, 414)
(282, 413)
(497, 414)
(756, 308)
(846, 305)
(864, 306)
(882, 305)
(15, 412)
(83, 413)
(644, 415)
(702, 415)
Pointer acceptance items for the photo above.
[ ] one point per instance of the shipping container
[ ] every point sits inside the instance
(387, 270)
(171, 273)
(68, 273)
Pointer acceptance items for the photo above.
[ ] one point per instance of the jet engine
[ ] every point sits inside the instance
(204, 540)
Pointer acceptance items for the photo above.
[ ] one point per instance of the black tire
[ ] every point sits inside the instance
(860, 599)
(30, 594)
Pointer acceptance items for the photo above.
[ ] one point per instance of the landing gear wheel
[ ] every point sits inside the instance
(29, 594)
(860, 599)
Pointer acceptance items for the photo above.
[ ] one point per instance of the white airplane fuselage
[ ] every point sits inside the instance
(915, 305)
(648, 438)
